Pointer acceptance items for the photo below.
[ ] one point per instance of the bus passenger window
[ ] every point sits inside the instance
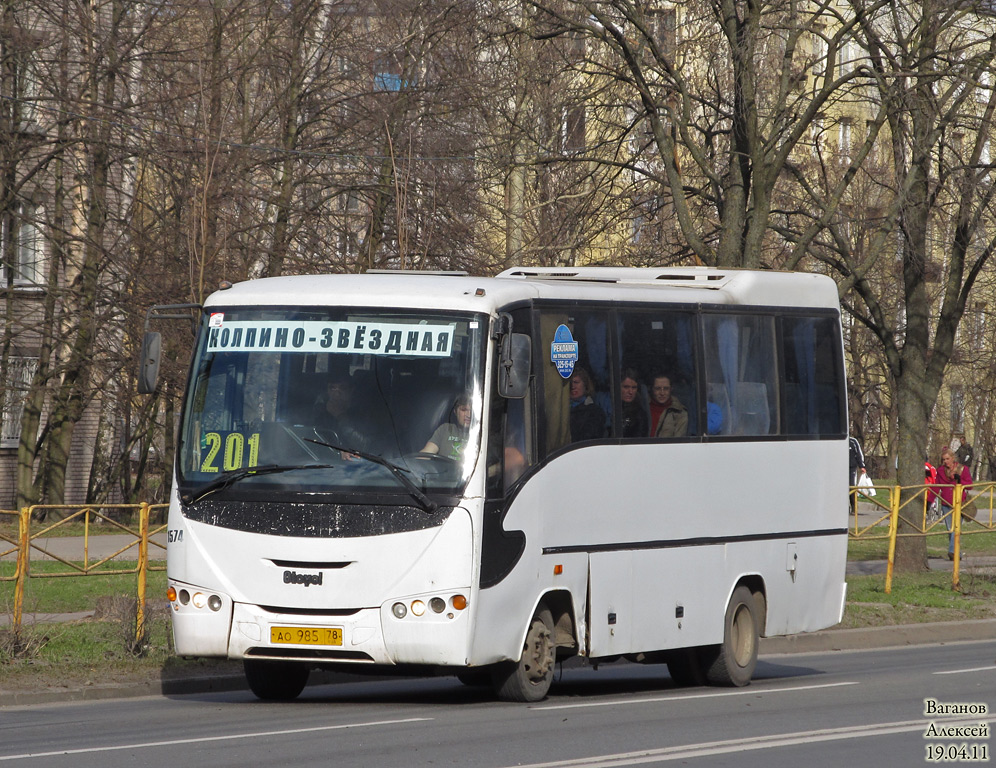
(577, 396)
(739, 362)
(810, 349)
(657, 350)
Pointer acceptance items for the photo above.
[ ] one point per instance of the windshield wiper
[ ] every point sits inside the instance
(226, 479)
(427, 504)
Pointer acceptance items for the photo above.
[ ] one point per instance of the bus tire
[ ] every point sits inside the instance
(734, 664)
(275, 680)
(686, 668)
(475, 677)
(529, 678)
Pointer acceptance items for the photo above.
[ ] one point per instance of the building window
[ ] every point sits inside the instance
(20, 371)
(957, 410)
(978, 326)
(389, 75)
(844, 145)
(663, 27)
(27, 247)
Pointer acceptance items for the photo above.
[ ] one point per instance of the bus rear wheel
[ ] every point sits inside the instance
(737, 655)
(275, 680)
(686, 667)
(529, 678)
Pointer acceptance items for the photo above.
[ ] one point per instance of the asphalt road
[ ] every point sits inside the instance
(837, 709)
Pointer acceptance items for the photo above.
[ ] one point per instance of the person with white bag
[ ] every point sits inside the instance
(856, 463)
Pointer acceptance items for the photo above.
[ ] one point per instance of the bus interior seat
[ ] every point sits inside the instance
(753, 415)
(423, 412)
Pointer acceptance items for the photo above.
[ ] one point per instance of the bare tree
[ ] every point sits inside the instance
(927, 64)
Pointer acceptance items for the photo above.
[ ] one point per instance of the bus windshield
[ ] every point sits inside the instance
(332, 401)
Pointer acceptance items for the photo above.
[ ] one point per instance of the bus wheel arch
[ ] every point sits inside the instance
(736, 656)
(551, 635)
(565, 627)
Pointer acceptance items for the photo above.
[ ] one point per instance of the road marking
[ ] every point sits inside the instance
(988, 668)
(203, 739)
(756, 691)
(750, 743)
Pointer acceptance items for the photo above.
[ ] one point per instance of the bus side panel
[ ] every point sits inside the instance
(807, 594)
(656, 599)
(672, 525)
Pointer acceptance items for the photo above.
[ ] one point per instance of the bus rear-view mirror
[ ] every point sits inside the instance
(148, 366)
(513, 373)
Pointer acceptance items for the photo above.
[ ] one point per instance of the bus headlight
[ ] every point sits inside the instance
(430, 606)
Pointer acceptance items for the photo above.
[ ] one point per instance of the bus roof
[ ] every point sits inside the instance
(458, 291)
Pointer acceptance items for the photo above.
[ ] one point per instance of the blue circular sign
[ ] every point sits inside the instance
(564, 351)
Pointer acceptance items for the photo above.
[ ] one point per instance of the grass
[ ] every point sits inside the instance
(918, 598)
(69, 594)
(95, 651)
(874, 544)
(75, 527)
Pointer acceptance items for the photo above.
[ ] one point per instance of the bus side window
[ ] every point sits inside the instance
(810, 349)
(739, 360)
(590, 330)
(655, 343)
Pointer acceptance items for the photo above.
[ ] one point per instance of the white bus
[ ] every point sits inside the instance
(484, 476)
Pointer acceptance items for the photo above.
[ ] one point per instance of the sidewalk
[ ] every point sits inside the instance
(99, 546)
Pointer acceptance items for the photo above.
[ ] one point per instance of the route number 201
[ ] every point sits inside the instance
(232, 449)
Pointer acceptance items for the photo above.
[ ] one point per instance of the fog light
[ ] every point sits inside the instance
(214, 603)
(418, 607)
(199, 600)
(459, 602)
(184, 597)
(399, 610)
(437, 604)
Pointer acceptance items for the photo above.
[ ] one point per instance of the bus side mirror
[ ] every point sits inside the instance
(513, 370)
(148, 363)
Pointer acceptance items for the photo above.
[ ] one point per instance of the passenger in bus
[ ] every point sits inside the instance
(587, 418)
(450, 439)
(668, 417)
(334, 416)
(635, 421)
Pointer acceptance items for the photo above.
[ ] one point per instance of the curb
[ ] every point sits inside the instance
(869, 638)
(823, 641)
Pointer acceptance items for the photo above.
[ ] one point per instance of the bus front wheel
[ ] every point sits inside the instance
(529, 678)
(737, 655)
(275, 680)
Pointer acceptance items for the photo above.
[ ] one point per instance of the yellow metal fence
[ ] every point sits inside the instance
(891, 508)
(136, 538)
(907, 511)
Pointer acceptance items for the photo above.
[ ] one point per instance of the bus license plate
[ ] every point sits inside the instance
(306, 635)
